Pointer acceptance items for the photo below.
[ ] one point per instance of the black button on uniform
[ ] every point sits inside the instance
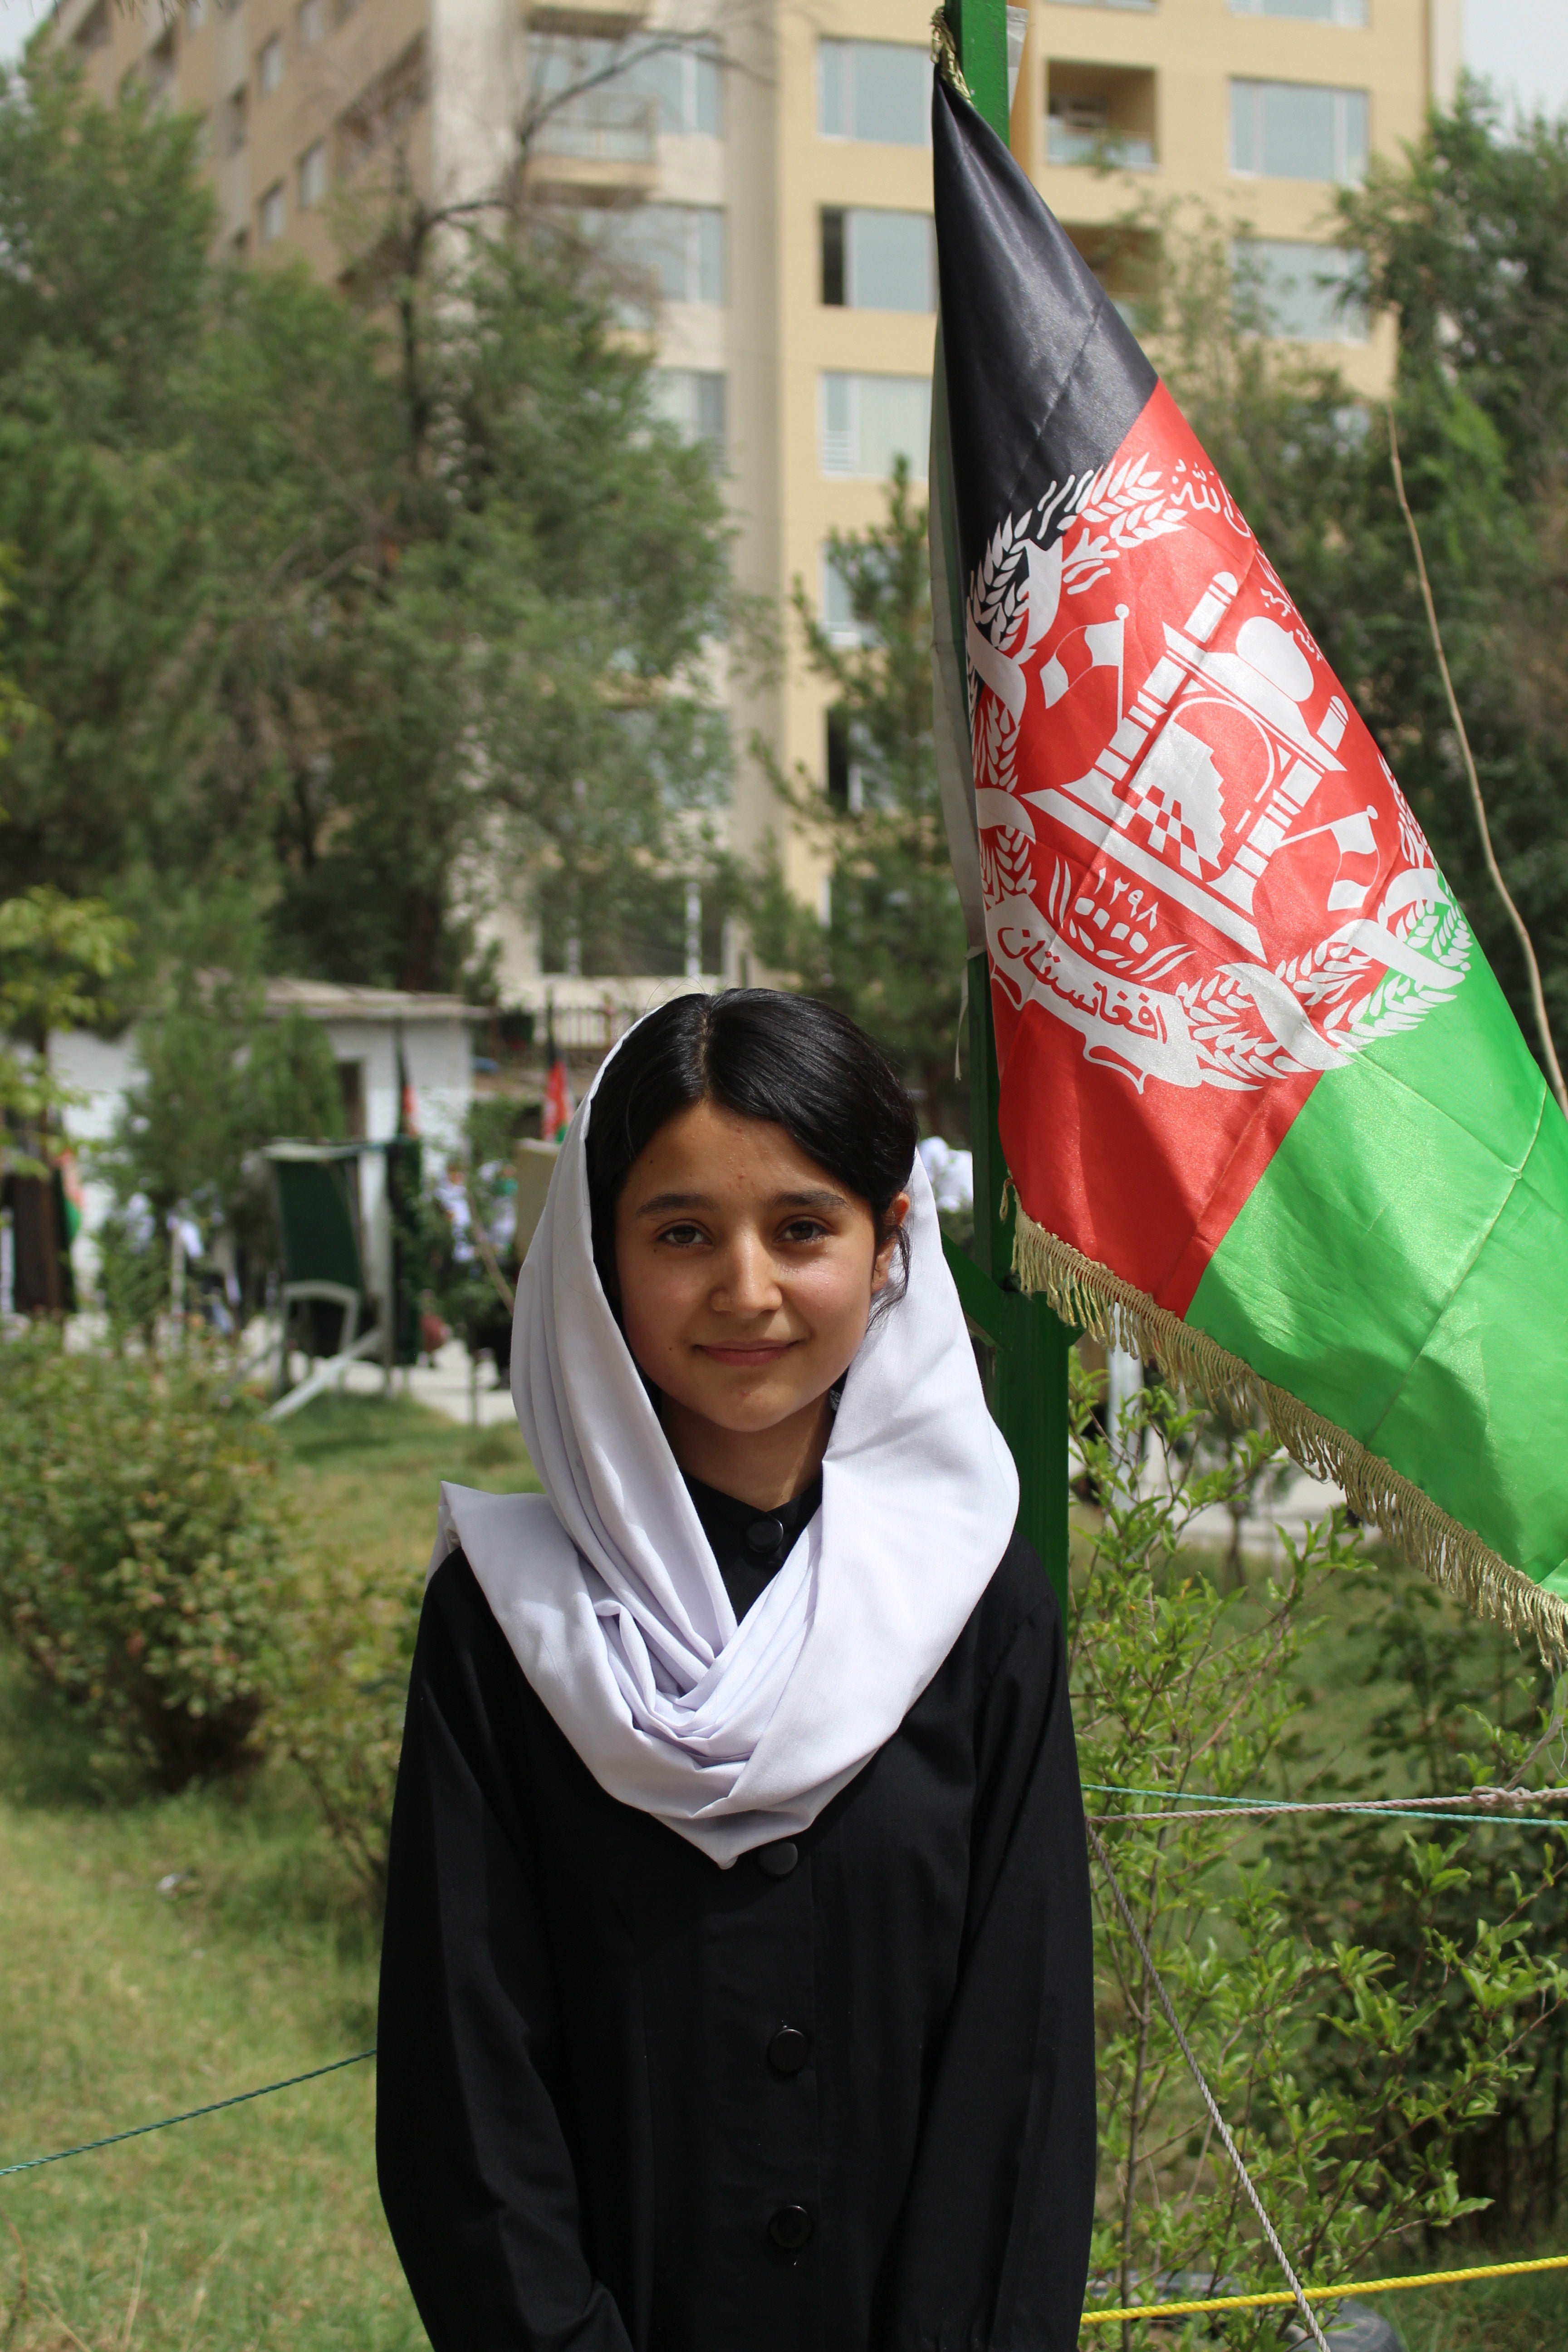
(790, 2228)
(789, 2050)
(765, 1538)
(778, 1861)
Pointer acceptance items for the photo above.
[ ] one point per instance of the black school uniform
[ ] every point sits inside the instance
(838, 2098)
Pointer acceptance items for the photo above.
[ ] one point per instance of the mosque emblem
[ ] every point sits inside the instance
(1191, 852)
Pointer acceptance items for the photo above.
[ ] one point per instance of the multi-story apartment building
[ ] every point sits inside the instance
(770, 174)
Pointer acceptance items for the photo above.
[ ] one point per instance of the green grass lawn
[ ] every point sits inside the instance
(259, 2228)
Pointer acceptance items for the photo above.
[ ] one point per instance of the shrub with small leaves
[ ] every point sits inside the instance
(143, 1546)
(346, 1646)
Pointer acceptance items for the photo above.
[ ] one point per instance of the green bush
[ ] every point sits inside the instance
(344, 1655)
(1373, 2009)
(143, 1547)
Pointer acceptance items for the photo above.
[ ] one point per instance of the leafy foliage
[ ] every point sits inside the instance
(339, 1697)
(143, 1547)
(372, 631)
(892, 951)
(1349, 2067)
(1455, 1706)
(59, 960)
(220, 1079)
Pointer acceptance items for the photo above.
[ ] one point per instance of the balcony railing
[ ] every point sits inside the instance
(605, 126)
(1121, 150)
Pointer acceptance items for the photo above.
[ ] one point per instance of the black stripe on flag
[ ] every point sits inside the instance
(1044, 378)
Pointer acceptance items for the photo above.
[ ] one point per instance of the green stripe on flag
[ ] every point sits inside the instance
(1402, 1268)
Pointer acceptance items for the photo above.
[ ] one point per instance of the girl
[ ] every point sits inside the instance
(736, 1991)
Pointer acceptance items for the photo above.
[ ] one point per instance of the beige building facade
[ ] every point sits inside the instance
(768, 173)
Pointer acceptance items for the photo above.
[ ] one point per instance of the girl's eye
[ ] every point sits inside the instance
(804, 1229)
(682, 1236)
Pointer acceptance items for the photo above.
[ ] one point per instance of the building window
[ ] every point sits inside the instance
(846, 775)
(869, 420)
(1101, 114)
(878, 260)
(694, 400)
(1311, 12)
(589, 109)
(874, 89)
(312, 175)
(269, 215)
(231, 123)
(687, 85)
(839, 620)
(1300, 290)
(311, 21)
(635, 97)
(269, 65)
(1298, 130)
(677, 251)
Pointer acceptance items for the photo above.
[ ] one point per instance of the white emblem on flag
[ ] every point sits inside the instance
(1213, 763)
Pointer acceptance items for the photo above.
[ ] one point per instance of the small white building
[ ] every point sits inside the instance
(367, 1027)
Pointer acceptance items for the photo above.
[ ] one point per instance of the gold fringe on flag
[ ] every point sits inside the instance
(1090, 1297)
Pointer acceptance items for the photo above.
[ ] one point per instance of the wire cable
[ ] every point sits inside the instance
(86, 2147)
(1298, 2292)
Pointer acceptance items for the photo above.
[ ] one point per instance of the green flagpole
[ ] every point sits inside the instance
(1029, 1380)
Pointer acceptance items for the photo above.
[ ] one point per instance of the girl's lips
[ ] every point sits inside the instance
(763, 1353)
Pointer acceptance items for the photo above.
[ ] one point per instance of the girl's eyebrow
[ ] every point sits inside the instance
(662, 1203)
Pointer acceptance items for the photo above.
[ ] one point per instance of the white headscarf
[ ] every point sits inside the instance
(607, 1589)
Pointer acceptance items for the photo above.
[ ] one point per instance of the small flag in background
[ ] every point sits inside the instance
(558, 1103)
(407, 1111)
(1267, 1113)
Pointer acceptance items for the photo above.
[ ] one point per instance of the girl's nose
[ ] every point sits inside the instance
(747, 1283)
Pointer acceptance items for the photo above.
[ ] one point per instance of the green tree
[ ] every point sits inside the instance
(891, 951)
(221, 1078)
(519, 677)
(1465, 237)
(1467, 244)
(363, 630)
(59, 960)
(103, 230)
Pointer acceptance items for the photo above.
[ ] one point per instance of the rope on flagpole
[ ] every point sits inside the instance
(1298, 2292)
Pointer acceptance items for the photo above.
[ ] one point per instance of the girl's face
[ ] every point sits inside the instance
(747, 1275)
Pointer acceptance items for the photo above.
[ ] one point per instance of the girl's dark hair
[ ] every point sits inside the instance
(767, 1056)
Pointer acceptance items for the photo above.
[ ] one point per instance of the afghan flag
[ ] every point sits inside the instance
(1269, 1116)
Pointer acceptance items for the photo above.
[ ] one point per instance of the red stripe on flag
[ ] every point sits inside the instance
(1190, 858)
